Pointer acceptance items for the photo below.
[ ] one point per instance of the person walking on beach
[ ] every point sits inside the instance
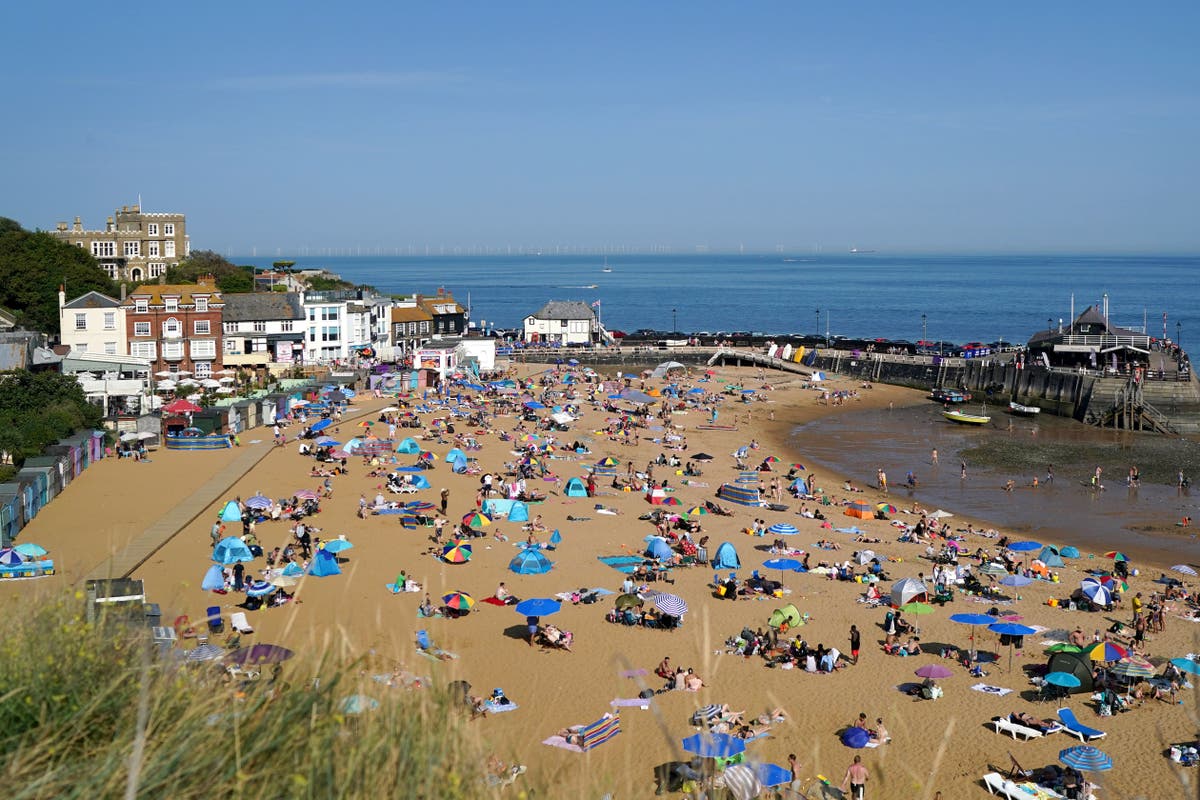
(933, 457)
(215, 533)
(882, 476)
(445, 500)
(855, 643)
(962, 470)
(1049, 474)
(856, 779)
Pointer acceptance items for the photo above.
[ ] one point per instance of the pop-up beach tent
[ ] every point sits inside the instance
(459, 465)
(420, 481)
(1077, 664)
(409, 446)
(231, 512)
(906, 590)
(576, 488)
(726, 557)
(324, 563)
(1050, 557)
(454, 454)
(658, 548)
(518, 512)
(788, 615)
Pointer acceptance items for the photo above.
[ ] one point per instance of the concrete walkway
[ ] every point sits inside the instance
(138, 551)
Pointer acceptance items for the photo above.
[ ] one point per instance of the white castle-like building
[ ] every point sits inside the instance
(134, 245)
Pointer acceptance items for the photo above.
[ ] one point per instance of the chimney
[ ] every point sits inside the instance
(110, 225)
(62, 295)
(124, 289)
(79, 223)
(61, 227)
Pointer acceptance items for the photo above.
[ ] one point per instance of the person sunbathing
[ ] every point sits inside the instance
(692, 681)
(879, 734)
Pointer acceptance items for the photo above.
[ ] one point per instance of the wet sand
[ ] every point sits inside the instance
(355, 615)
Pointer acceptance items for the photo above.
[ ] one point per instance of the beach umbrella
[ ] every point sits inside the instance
(322, 425)
(357, 704)
(1063, 647)
(305, 494)
(696, 511)
(992, 568)
(337, 545)
(939, 514)
(1187, 665)
(30, 550)
(715, 745)
(214, 579)
(284, 581)
(768, 774)
(671, 501)
(477, 519)
(204, 652)
(771, 460)
(1107, 651)
(530, 561)
(799, 467)
(366, 423)
(428, 456)
(259, 654)
(702, 457)
(625, 601)
(259, 502)
(782, 564)
(1096, 592)
(1064, 679)
(181, 407)
(259, 588)
(460, 601)
(1086, 758)
(1011, 629)
(1112, 582)
(743, 783)
(670, 604)
(856, 737)
(886, 508)
(933, 671)
(783, 529)
(457, 552)
(1133, 667)
(917, 608)
(1024, 547)
(865, 557)
(1184, 569)
(608, 461)
(1015, 580)
(1116, 555)
(538, 607)
(230, 550)
(328, 441)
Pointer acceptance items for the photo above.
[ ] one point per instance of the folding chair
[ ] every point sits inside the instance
(216, 624)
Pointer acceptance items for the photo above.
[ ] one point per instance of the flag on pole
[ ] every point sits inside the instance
(596, 304)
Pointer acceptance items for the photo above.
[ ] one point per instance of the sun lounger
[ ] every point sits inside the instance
(239, 623)
(1076, 728)
(997, 784)
(1003, 725)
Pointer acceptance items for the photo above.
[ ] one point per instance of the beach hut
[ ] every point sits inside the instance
(576, 488)
(784, 618)
(906, 590)
(1050, 557)
(409, 446)
(860, 510)
(10, 516)
(1077, 664)
(518, 512)
(742, 495)
(726, 557)
(324, 563)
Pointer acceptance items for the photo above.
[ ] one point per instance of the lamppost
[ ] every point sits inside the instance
(674, 322)
(1179, 335)
(924, 331)
(818, 313)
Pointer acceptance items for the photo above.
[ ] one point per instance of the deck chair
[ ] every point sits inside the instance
(1001, 724)
(997, 784)
(216, 624)
(239, 623)
(600, 731)
(1076, 728)
(1015, 771)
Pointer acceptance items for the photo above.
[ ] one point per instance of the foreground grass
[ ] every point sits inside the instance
(89, 711)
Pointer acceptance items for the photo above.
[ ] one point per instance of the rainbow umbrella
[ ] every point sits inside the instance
(1132, 667)
(1107, 651)
(609, 462)
(457, 552)
(1110, 582)
(800, 467)
(428, 456)
(459, 601)
(696, 511)
(365, 423)
(771, 460)
(672, 501)
(1116, 555)
(477, 518)
(886, 508)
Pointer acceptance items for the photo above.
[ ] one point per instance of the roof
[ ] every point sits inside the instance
(7, 319)
(565, 309)
(261, 306)
(92, 300)
(431, 304)
(184, 291)
(411, 314)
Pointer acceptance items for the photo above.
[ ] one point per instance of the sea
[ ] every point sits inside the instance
(985, 298)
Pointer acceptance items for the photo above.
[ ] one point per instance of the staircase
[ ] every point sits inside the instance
(1130, 411)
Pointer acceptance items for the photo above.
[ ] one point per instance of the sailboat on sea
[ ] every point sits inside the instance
(606, 267)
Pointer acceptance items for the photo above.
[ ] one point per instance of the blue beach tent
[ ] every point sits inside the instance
(231, 512)
(409, 446)
(455, 454)
(420, 481)
(576, 488)
(459, 465)
(518, 512)
(726, 557)
(1050, 557)
(324, 563)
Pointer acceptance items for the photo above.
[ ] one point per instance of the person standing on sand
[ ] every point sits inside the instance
(856, 779)
(962, 474)
(445, 500)
(215, 533)
(1049, 474)
(933, 457)
(855, 643)
(882, 476)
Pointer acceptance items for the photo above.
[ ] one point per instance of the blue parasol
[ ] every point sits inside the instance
(855, 737)
(1022, 547)
(1064, 679)
(322, 425)
(1187, 665)
(783, 529)
(715, 745)
(1087, 758)
(538, 607)
(337, 545)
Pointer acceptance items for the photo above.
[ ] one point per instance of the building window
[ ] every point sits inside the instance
(172, 329)
(169, 249)
(152, 230)
(231, 346)
(142, 349)
(201, 305)
(111, 269)
(204, 348)
(425, 327)
(260, 326)
(168, 229)
(329, 314)
(312, 334)
(331, 333)
(81, 347)
(110, 320)
(171, 304)
(135, 274)
(141, 306)
(153, 249)
(110, 348)
(157, 268)
(312, 314)
(286, 326)
(202, 327)
(204, 368)
(104, 249)
(141, 329)
(132, 249)
(81, 322)
(172, 349)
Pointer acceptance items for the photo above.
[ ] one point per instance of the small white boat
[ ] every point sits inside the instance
(966, 419)
(1024, 411)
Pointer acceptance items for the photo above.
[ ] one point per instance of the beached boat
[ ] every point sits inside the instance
(950, 395)
(1024, 411)
(964, 418)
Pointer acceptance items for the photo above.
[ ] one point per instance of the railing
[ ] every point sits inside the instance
(1104, 341)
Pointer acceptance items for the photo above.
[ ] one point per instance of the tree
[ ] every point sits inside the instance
(230, 277)
(34, 265)
(39, 408)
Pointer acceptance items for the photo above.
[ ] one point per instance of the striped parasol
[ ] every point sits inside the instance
(477, 519)
(1132, 667)
(204, 652)
(696, 511)
(10, 557)
(259, 502)
(1184, 569)
(304, 494)
(259, 588)
(457, 553)
(1107, 651)
(669, 604)
(783, 529)
(1085, 757)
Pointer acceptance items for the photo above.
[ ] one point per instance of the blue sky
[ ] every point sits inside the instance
(902, 127)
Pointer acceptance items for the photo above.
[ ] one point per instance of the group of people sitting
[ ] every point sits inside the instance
(645, 617)
(678, 678)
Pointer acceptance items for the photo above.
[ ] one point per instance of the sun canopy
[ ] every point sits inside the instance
(906, 590)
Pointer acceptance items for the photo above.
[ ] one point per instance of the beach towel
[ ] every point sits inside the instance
(560, 742)
(999, 691)
(631, 702)
(493, 707)
(494, 601)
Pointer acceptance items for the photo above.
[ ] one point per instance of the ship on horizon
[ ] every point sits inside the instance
(859, 250)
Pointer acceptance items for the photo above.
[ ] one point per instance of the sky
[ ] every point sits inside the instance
(308, 128)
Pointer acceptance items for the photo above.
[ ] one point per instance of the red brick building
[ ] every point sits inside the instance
(177, 327)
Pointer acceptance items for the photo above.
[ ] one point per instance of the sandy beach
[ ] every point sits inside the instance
(943, 745)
